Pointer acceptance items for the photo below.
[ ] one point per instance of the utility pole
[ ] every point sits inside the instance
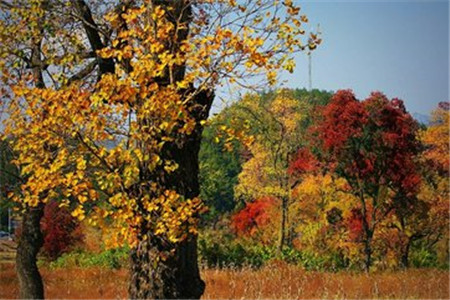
(310, 70)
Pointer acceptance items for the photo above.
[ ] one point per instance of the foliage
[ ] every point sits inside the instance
(223, 153)
(219, 249)
(61, 231)
(253, 219)
(112, 258)
(111, 146)
(323, 215)
(436, 137)
(372, 145)
(275, 126)
(219, 171)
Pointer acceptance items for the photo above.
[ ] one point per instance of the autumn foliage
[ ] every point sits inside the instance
(61, 231)
(254, 216)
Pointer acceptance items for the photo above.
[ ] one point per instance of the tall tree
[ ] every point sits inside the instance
(276, 130)
(423, 218)
(372, 144)
(117, 135)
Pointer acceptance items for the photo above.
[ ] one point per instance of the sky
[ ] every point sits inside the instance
(400, 48)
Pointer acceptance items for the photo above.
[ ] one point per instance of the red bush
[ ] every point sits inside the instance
(61, 231)
(253, 216)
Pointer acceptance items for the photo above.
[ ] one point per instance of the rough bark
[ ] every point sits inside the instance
(30, 241)
(177, 276)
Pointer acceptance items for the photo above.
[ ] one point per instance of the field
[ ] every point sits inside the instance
(276, 281)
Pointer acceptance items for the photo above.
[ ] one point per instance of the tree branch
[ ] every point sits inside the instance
(92, 32)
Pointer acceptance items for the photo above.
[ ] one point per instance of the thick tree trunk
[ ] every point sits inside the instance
(174, 277)
(177, 276)
(30, 242)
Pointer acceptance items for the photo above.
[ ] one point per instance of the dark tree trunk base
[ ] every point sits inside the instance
(30, 242)
(175, 277)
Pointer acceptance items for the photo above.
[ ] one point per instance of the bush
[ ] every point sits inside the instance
(62, 232)
(112, 259)
(331, 262)
(220, 250)
(223, 251)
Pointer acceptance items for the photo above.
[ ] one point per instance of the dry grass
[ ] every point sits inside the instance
(277, 281)
(281, 281)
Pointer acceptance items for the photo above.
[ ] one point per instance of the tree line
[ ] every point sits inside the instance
(328, 174)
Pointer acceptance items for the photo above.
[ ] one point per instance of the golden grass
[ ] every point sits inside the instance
(276, 281)
(281, 281)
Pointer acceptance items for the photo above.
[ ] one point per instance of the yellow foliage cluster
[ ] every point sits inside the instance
(314, 197)
(103, 147)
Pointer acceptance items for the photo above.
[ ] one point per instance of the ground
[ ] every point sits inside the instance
(277, 281)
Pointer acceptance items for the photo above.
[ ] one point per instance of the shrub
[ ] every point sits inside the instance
(112, 259)
(218, 249)
(62, 232)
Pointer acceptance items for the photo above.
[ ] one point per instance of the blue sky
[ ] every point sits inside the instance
(398, 47)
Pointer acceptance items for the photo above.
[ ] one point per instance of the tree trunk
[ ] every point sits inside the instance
(404, 261)
(368, 251)
(30, 242)
(177, 276)
(284, 215)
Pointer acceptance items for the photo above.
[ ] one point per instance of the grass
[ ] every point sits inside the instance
(7, 251)
(276, 281)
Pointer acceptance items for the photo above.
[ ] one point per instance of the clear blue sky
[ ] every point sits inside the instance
(398, 47)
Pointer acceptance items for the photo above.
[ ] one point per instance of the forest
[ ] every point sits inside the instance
(119, 179)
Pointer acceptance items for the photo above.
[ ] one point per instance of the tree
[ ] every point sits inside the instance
(275, 123)
(435, 187)
(372, 145)
(435, 137)
(114, 128)
(323, 211)
(219, 169)
(9, 180)
(424, 215)
(221, 159)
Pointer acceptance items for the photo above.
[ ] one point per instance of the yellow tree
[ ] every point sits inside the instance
(424, 217)
(277, 135)
(435, 189)
(106, 106)
(322, 207)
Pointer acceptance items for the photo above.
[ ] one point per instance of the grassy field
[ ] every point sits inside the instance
(277, 281)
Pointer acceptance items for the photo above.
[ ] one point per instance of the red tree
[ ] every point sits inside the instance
(372, 144)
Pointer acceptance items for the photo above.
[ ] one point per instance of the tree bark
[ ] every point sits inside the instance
(284, 215)
(368, 251)
(30, 242)
(404, 262)
(176, 276)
